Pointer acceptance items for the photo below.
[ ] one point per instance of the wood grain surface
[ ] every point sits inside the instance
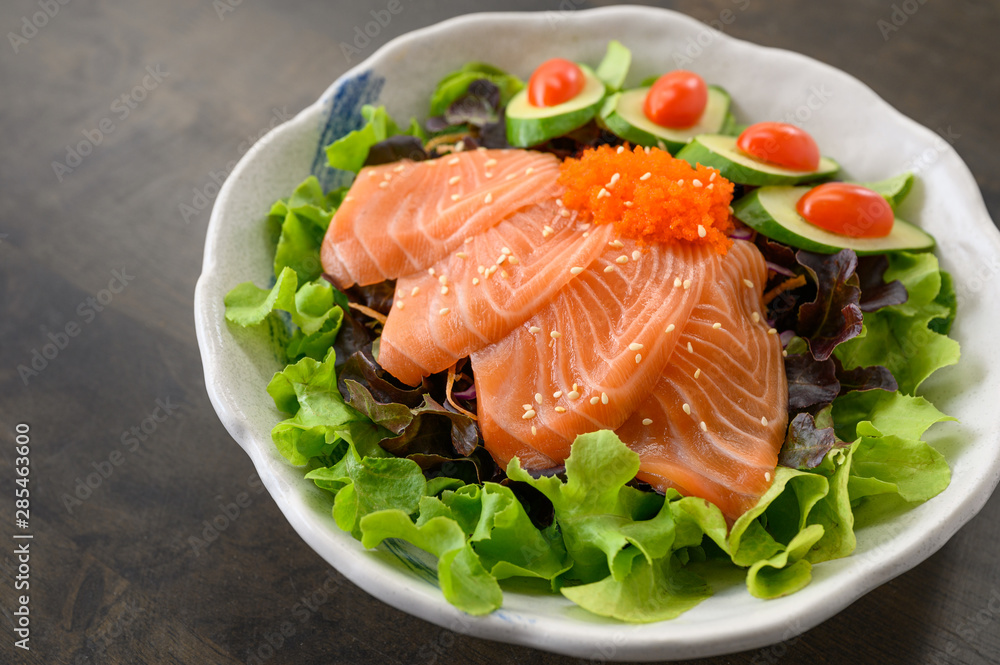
(171, 94)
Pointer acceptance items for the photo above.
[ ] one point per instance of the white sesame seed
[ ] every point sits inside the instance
(646, 176)
(503, 273)
(490, 162)
(453, 161)
(697, 373)
(501, 259)
(534, 329)
(510, 176)
(559, 203)
(547, 231)
(767, 476)
(538, 397)
(348, 198)
(696, 182)
(638, 358)
(647, 421)
(614, 178)
(505, 251)
(444, 290)
(399, 304)
(575, 270)
(443, 311)
(756, 317)
(399, 169)
(461, 255)
(784, 353)
(529, 414)
(372, 174)
(646, 149)
(481, 269)
(690, 348)
(431, 272)
(772, 331)
(454, 179)
(748, 283)
(686, 408)
(622, 259)
(635, 346)
(609, 269)
(617, 244)
(565, 213)
(555, 334)
(710, 186)
(680, 182)
(604, 398)
(557, 394)
(636, 254)
(443, 279)
(529, 170)
(763, 421)
(703, 426)
(687, 283)
(383, 184)
(627, 204)
(415, 291)
(488, 198)
(525, 406)
(513, 260)
(455, 197)
(620, 150)
(573, 394)
(711, 177)
(560, 409)
(716, 325)
(460, 146)
(603, 193)
(701, 231)
(489, 174)
(670, 328)
(677, 281)
(595, 400)
(475, 281)
(468, 240)
(534, 431)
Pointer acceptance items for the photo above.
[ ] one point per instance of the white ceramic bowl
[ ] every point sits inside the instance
(871, 140)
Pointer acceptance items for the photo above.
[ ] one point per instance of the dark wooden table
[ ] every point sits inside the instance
(98, 263)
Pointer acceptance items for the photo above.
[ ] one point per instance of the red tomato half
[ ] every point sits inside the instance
(677, 99)
(554, 82)
(850, 210)
(780, 144)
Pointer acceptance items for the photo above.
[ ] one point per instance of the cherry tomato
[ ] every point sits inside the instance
(780, 144)
(554, 82)
(850, 210)
(677, 99)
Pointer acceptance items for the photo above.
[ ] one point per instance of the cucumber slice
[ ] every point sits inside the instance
(720, 152)
(894, 189)
(614, 67)
(529, 125)
(623, 115)
(771, 211)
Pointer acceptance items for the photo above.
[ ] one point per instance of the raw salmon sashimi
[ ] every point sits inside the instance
(476, 295)
(403, 217)
(716, 420)
(587, 359)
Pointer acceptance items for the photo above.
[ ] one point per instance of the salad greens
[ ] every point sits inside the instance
(399, 462)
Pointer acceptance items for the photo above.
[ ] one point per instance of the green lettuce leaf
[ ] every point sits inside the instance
(899, 337)
(456, 84)
(349, 153)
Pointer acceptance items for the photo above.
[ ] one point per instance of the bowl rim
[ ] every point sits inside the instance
(780, 622)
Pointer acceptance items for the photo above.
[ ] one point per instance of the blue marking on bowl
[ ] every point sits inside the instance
(343, 116)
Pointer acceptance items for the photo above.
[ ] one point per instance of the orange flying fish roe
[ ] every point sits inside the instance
(674, 202)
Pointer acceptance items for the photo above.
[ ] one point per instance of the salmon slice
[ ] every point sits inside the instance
(724, 445)
(478, 294)
(589, 358)
(403, 217)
